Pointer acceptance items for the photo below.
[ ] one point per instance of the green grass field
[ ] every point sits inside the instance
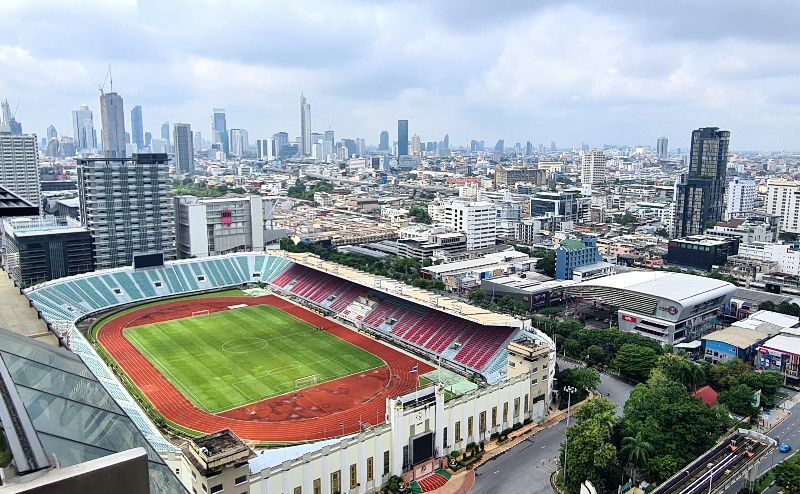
(228, 359)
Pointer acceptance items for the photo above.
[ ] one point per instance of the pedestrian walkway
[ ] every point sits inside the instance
(460, 483)
(18, 316)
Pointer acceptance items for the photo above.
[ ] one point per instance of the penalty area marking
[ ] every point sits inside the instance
(244, 345)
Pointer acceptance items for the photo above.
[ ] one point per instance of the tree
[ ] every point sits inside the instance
(769, 382)
(595, 408)
(547, 262)
(727, 374)
(636, 451)
(767, 305)
(739, 400)
(589, 453)
(581, 378)
(635, 361)
(681, 370)
(787, 475)
(420, 213)
(628, 218)
(572, 347)
(660, 468)
(596, 354)
(476, 295)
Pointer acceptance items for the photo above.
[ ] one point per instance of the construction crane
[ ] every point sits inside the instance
(108, 79)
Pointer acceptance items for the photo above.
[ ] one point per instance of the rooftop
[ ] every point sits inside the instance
(30, 226)
(784, 344)
(219, 442)
(393, 287)
(666, 284)
(9, 199)
(572, 244)
(738, 337)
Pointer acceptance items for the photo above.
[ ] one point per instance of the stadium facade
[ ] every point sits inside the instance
(419, 428)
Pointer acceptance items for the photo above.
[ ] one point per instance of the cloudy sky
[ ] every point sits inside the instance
(617, 71)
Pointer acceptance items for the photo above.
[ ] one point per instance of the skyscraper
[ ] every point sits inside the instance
(661, 148)
(165, 132)
(219, 130)
(500, 146)
(402, 138)
(112, 117)
(9, 119)
(198, 140)
(305, 126)
(184, 148)
(148, 138)
(136, 220)
(239, 142)
(416, 145)
(700, 193)
(593, 167)
(383, 143)
(137, 129)
(83, 129)
(52, 133)
(19, 168)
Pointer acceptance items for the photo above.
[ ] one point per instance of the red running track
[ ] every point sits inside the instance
(327, 410)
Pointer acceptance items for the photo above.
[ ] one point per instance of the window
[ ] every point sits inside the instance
(317, 486)
(505, 412)
(216, 488)
(201, 278)
(458, 432)
(157, 284)
(298, 490)
(370, 469)
(336, 481)
(117, 291)
(353, 476)
(178, 472)
(482, 422)
(494, 417)
(469, 426)
(527, 405)
(203, 486)
(444, 438)
(240, 480)
(516, 407)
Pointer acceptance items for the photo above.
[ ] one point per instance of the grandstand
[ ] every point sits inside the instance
(463, 337)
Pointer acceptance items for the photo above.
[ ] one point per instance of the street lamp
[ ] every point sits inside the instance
(569, 390)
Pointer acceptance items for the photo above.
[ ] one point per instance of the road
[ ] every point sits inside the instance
(787, 432)
(526, 468)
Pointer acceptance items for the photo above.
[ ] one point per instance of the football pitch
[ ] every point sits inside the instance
(231, 358)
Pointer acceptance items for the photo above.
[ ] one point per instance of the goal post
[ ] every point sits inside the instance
(203, 312)
(304, 382)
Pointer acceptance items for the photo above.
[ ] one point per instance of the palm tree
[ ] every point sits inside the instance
(636, 450)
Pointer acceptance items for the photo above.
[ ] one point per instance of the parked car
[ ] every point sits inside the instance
(784, 448)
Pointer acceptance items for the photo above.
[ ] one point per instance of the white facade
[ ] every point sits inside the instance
(783, 198)
(112, 116)
(239, 142)
(305, 126)
(19, 167)
(740, 196)
(477, 220)
(593, 167)
(206, 227)
(788, 259)
(363, 462)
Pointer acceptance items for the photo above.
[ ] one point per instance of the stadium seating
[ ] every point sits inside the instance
(447, 336)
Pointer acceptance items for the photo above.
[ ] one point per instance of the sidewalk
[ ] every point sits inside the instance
(459, 483)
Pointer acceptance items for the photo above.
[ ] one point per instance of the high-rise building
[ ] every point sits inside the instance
(500, 146)
(593, 167)
(700, 194)
(137, 129)
(383, 142)
(83, 129)
(138, 218)
(9, 119)
(740, 196)
(19, 167)
(219, 129)
(446, 141)
(266, 149)
(112, 117)
(305, 126)
(148, 138)
(165, 132)
(477, 220)
(184, 148)
(197, 139)
(783, 198)
(416, 145)
(52, 133)
(239, 142)
(402, 138)
(208, 227)
(529, 148)
(661, 148)
(281, 139)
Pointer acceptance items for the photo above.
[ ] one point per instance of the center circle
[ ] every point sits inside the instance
(244, 345)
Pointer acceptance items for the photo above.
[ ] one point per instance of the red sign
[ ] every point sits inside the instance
(628, 318)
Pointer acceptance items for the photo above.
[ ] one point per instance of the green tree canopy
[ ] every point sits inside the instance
(634, 360)
(739, 400)
(787, 475)
(594, 408)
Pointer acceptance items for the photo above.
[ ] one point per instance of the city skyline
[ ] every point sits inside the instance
(637, 72)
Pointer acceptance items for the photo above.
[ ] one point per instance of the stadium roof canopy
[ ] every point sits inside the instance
(402, 290)
(663, 284)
